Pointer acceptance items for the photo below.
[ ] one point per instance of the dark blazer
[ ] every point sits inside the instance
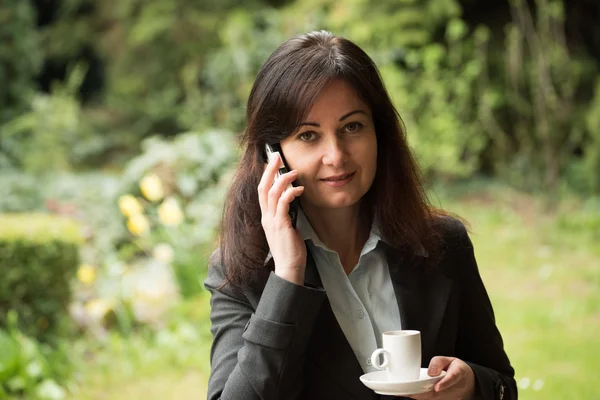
(282, 341)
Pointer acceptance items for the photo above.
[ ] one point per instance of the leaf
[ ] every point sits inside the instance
(10, 354)
(50, 390)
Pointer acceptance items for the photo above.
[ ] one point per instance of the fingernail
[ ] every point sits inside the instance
(433, 372)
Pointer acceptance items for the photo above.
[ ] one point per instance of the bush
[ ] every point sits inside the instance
(30, 369)
(189, 175)
(21, 56)
(38, 258)
(19, 192)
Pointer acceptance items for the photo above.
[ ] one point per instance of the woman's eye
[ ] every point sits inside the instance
(353, 126)
(306, 136)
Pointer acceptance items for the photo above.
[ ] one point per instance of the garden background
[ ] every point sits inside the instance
(118, 122)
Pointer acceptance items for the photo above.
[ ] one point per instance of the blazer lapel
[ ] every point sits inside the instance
(422, 297)
(329, 349)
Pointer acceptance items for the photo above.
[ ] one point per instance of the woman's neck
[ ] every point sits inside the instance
(343, 230)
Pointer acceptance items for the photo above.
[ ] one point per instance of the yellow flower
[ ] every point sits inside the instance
(98, 308)
(138, 224)
(152, 187)
(169, 212)
(86, 274)
(129, 205)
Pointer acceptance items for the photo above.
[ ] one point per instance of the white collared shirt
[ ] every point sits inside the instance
(363, 302)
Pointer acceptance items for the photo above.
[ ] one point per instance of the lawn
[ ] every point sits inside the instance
(540, 263)
(541, 266)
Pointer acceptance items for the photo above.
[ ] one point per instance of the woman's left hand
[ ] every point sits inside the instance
(459, 382)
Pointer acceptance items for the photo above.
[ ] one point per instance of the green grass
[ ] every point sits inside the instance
(541, 269)
(170, 364)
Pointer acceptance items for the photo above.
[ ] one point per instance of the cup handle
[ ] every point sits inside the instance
(375, 359)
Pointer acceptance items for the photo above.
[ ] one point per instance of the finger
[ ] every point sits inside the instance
(453, 376)
(266, 181)
(438, 364)
(283, 206)
(280, 185)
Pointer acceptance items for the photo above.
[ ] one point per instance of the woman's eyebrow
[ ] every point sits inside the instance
(352, 113)
(343, 117)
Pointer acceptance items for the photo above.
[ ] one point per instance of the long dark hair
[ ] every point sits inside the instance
(283, 92)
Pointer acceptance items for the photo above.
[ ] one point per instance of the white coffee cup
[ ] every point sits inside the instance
(401, 355)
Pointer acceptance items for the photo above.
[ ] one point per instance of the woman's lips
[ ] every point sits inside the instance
(339, 180)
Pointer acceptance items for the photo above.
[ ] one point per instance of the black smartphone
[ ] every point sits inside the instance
(270, 150)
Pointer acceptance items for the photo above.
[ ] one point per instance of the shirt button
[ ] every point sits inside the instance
(360, 314)
(369, 361)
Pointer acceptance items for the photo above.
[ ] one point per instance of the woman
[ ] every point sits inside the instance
(296, 312)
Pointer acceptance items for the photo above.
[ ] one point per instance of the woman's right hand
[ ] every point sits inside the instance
(286, 244)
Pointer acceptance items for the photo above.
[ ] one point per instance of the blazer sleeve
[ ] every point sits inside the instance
(479, 341)
(259, 353)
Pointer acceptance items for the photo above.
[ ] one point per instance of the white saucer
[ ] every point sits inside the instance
(378, 381)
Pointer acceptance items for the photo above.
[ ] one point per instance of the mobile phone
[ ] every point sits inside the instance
(270, 150)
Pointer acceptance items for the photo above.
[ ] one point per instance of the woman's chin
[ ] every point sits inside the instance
(336, 202)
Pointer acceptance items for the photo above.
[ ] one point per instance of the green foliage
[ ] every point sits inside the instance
(30, 369)
(148, 363)
(21, 57)
(51, 135)
(521, 109)
(437, 99)
(38, 259)
(153, 55)
(388, 25)
(192, 168)
(588, 174)
(19, 192)
(91, 198)
(534, 108)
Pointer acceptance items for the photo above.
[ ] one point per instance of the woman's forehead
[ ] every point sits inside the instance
(337, 99)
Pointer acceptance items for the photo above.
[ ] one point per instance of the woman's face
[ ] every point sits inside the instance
(335, 149)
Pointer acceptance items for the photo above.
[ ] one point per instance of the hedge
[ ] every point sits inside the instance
(39, 256)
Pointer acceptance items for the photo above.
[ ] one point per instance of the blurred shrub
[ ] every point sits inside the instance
(21, 55)
(119, 359)
(169, 198)
(19, 192)
(151, 54)
(38, 258)
(436, 95)
(177, 188)
(30, 369)
(132, 257)
(536, 102)
(50, 134)
(521, 106)
(586, 172)
(89, 198)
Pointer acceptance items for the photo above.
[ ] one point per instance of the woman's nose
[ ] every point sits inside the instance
(335, 153)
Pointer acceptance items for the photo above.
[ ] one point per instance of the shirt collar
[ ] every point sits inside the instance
(307, 232)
